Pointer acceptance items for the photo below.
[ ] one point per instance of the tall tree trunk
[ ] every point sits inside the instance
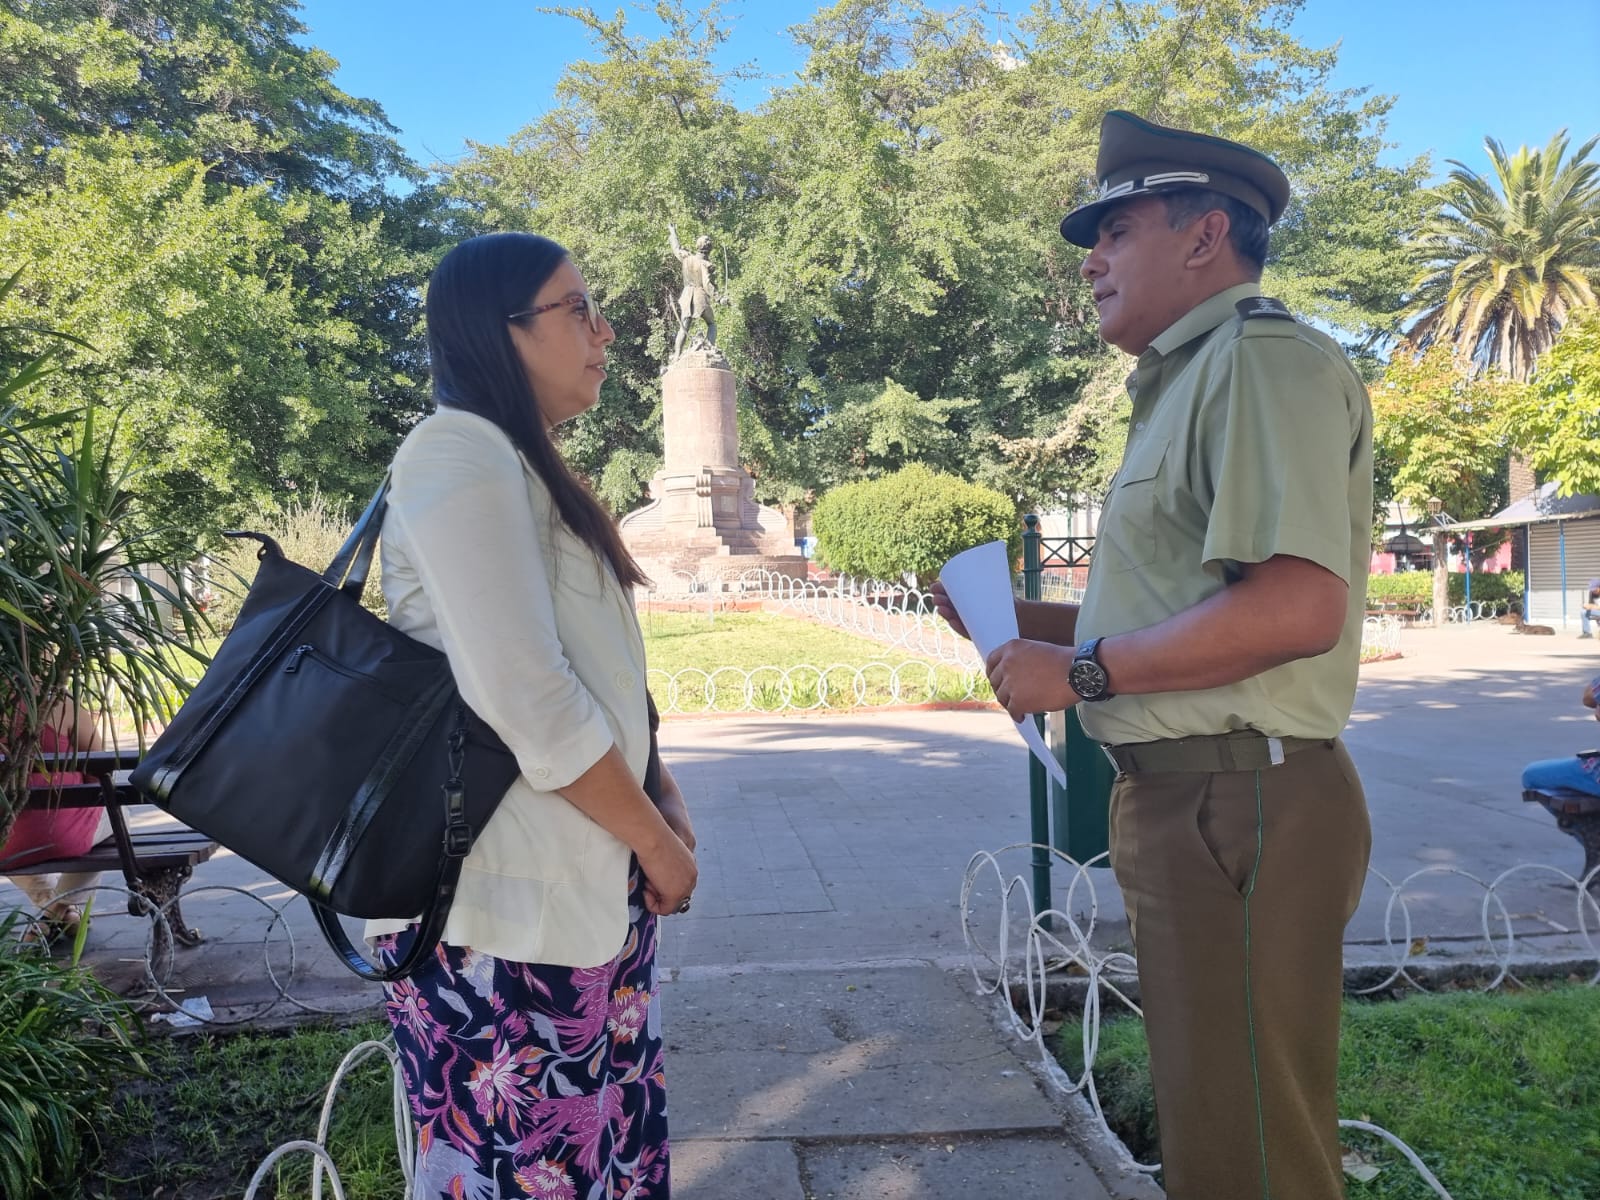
(1441, 579)
(1521, 481)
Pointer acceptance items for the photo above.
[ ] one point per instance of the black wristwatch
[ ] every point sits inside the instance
(1087, 677)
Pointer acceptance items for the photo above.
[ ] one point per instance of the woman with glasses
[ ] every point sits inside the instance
(530, 1043)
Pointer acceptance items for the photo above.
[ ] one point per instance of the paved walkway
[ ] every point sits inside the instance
(826, 1039)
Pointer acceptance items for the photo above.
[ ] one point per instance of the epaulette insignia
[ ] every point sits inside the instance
(1263, 306)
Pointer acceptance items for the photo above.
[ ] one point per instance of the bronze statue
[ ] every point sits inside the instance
(698, 289)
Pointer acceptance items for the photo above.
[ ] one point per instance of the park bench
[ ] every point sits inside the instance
(1578, 815)
(1409, 613)
(155, 863)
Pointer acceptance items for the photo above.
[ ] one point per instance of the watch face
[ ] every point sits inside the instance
(1088, 678)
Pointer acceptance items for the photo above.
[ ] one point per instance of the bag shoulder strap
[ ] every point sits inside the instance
(430, 927)
(429, 930)
(350, 566)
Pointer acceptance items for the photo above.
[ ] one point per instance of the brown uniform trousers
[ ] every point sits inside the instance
(1238, 886)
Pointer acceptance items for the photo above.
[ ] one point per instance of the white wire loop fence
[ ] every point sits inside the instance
(891, 613)
(894, 615)
(1478, 610)
(1028, 949)
(1380, 637)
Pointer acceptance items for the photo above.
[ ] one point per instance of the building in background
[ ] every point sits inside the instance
(1560, 540)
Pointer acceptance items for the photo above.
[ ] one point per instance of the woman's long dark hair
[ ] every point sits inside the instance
(476, 368)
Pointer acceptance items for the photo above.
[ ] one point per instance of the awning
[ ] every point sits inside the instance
(1407, 543)
(1538, 508)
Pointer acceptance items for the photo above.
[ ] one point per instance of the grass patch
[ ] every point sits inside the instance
(1498, 1093)
(674, 640)
(214, 1106)
(714, 653)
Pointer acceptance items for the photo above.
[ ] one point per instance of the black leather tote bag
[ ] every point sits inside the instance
(333, 751)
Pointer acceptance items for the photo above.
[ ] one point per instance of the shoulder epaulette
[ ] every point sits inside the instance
(1253, 307)
(1264, 315)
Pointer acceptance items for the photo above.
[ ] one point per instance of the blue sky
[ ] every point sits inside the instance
(1515, 69)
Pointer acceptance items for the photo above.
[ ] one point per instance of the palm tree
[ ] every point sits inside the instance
(1507, 259)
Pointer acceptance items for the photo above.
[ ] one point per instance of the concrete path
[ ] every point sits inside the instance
(826, 1036)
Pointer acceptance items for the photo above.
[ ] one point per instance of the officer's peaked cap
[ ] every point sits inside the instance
(1140, 158)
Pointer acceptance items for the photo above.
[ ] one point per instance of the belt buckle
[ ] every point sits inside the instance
(1275, 753)
(1105, 748)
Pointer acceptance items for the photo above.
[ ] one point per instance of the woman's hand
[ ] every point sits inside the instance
(672, 808)
(670, 873)
(676, 815)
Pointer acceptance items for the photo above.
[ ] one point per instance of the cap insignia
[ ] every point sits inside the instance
(1109, 191)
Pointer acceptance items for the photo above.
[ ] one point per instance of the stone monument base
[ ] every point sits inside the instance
(703, 518)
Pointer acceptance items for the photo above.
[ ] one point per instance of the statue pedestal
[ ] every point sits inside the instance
(703, 517)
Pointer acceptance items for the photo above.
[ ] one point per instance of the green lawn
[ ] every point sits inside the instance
(675, 640)
(1499, 1094)
(678, 642)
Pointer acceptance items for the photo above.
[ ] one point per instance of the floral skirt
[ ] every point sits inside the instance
(527, 1080)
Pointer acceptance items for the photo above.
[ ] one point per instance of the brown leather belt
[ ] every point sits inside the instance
(1245, 750)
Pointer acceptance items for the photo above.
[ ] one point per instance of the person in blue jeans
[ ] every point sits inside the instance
(1589, 618)
(1578, 773)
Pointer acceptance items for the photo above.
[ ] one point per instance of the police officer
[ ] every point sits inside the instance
(1215, 657)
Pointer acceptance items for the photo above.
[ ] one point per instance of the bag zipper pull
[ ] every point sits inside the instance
(294, 659)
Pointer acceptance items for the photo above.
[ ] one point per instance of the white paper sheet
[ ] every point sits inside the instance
(979, 584)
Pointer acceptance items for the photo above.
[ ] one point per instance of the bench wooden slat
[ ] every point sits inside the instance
(155, 850)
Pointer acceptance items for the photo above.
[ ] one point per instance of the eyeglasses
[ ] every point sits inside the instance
(591, 310)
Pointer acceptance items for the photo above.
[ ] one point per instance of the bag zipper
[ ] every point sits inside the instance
(307, 650)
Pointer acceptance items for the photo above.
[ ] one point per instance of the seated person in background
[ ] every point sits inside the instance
(1579, 773)
(45, 832)
(1589, 618)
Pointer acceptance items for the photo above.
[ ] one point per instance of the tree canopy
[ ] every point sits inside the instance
(1555, 421)
(889, 218)
(1443, 431)
(189, 194)
(223, 81)
(242, 245)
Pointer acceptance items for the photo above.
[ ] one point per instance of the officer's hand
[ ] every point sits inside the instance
(947, 610)
(1031, 677)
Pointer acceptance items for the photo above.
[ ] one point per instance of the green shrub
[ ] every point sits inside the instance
(1416, 587)
(909, 523)
(310, 532)
(66, 1042)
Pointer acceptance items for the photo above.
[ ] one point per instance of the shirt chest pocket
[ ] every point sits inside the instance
(1129, 532)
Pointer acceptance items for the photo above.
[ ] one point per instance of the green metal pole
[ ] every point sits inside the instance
(1038, 781)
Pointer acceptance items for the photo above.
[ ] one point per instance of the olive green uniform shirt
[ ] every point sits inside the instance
(1250, 437)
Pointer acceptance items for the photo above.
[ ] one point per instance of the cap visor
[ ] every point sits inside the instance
(1081, 226)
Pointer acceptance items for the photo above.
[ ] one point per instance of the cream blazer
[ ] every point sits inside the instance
(546, 648)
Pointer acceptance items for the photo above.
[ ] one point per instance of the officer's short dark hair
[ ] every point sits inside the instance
(1247, 229)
